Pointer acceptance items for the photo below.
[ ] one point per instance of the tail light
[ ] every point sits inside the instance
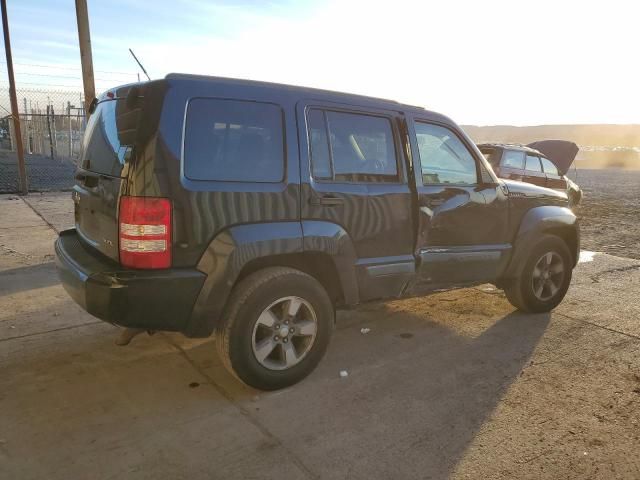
(145, 232)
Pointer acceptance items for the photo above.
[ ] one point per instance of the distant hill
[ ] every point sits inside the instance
(602, 146)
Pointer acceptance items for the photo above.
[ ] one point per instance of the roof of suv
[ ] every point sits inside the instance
(305, 92)
(511, 146)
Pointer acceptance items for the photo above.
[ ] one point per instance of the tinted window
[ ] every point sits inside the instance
(102, 151)
(443, 156)
(533, 164)
(357, 148)
(549, 167)
(319, 142)
(229, 140)
(513, 159)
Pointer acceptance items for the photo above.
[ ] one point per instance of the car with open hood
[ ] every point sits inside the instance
(544, 163)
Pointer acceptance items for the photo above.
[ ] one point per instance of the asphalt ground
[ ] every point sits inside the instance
(454, 385)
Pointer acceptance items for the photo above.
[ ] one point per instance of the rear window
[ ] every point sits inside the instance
(102, 150)
(492, 155)
(549, 167)
(233, 141)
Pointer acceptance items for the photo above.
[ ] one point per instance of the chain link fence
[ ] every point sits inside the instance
(52, 124)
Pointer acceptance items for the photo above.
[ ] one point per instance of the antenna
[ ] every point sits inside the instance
(138, 62)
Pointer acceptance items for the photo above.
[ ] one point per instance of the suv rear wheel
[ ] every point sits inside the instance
(545, 278)
(276, 329)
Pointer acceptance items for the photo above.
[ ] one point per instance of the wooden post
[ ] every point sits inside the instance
(86, 59)
(70, 135)
(22, 171)
(49, 130)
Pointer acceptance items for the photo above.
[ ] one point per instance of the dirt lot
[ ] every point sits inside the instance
(453, 385)
(610, 211)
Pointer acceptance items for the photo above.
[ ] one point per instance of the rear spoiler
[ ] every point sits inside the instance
(561, 152)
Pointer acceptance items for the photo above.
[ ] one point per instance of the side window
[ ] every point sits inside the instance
(351, 147)
(549, 167)
(443, 156)
(233, 141)
(533, 164)
(513, 159)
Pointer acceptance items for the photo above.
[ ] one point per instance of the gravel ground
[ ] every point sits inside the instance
(610, 211)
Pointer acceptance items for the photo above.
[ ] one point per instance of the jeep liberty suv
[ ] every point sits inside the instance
(254, 210)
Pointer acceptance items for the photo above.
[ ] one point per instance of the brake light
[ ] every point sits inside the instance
(145, 232)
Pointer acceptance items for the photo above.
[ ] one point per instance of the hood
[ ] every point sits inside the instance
(560, 152)
(534, 192)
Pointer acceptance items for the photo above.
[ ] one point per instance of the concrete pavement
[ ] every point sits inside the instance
(452, 385)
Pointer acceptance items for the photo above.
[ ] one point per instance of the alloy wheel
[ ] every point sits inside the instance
(284, 333)
(548, 275)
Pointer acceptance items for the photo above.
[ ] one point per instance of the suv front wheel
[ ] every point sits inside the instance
(276, 328)
(545, 278)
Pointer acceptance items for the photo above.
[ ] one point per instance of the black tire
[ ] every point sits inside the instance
(521, 291)
(235, 336)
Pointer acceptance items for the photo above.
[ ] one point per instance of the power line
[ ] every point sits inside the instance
(44, 85)
(66, 68)
(71, 76)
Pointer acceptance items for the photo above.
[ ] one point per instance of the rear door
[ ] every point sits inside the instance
(554, 179)
(354, 176)
(99, 179)
(463, 233)
(533, 171)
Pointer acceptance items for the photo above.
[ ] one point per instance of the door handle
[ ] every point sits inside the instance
(433, 202)
(327, 201)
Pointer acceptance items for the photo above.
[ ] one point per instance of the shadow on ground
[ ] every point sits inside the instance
(418, 390)
(26, 278)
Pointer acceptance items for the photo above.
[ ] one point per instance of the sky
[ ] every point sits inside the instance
(482, 62)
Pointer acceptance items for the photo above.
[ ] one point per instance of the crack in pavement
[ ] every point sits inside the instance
(613, 330)
(243, 411)
(595, 278)
(40, 215)
(69, 327)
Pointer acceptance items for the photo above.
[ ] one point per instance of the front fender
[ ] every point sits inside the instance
(224, 259)
(548, 219)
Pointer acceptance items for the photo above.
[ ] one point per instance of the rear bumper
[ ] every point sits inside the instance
(147, 299)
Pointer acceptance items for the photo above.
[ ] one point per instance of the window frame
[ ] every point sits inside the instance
(235, 184)
(464, 142)
(400, 178)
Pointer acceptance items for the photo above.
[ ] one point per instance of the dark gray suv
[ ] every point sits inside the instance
(255, 210)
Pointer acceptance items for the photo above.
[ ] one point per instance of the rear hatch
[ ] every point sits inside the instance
(108, 147)
(560, 152)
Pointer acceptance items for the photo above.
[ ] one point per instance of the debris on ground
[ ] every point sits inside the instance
(365, 330)
(344, 373)
(586, 256)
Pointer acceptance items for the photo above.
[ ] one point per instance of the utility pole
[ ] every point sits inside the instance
(22, 171)
(86, 59)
